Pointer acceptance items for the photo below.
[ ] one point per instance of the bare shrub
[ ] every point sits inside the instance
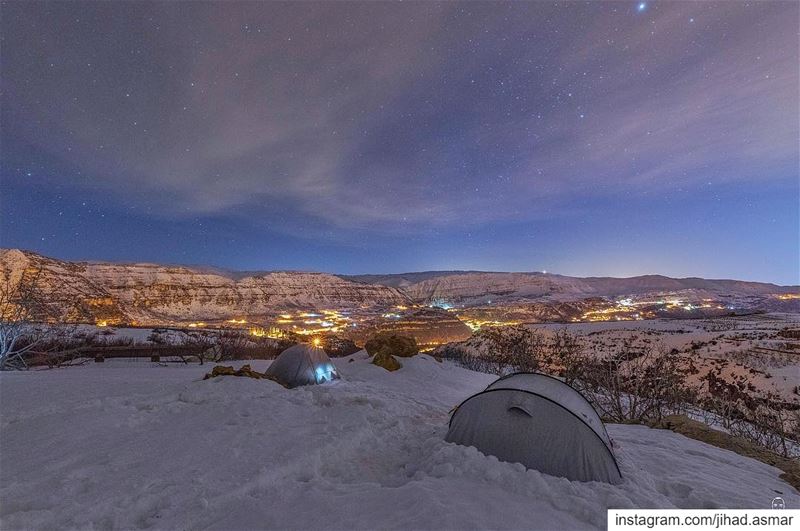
(471, 362)
(499, 350)
(764, 420)
(634, 384)
(566, 355)
(226, 345)
(213, 345)
(771, 426)
(24, 336)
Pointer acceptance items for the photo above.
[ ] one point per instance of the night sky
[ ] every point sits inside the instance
(584, 138)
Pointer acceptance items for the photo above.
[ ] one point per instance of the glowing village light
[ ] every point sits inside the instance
(440, 303)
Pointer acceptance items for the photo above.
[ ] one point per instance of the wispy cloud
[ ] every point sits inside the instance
(388, 117)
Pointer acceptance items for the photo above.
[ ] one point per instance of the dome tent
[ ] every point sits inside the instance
(302, 365)
(539, 421)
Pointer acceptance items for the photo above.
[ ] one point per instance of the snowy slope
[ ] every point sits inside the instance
(130, 445)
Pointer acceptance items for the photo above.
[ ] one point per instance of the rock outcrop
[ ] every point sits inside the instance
(396, 345)
(387, 361)
(386, 348)
(226, 370)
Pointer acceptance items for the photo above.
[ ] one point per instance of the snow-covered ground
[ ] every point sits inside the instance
(742, 343)
(133, 445)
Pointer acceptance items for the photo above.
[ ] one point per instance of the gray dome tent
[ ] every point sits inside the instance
(539, 421)
(302, 365)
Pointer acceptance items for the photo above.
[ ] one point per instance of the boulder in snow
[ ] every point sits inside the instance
(400, 346)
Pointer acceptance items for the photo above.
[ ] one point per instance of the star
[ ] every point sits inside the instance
(641, 7)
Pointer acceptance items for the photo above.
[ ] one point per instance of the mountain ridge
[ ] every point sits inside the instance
(144, 292)
(373, 277)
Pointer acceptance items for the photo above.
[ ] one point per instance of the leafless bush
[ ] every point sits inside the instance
(267, 350)
(23, 311)
(225, 345)
(634, 384)
(770, 426)
(474, 363)
(766, 421)
(566, 355)
(720, 325)
(499, 350)
(202, 344)
(760, 359)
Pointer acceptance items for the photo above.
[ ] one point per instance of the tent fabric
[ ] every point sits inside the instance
(527, 418)
(557, 391)
(302, 365)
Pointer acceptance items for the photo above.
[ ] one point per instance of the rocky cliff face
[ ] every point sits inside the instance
(149, 293)
(480, 288)
(475, 288)
(158, 295)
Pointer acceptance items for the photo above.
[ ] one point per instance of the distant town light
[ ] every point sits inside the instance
(440, 303)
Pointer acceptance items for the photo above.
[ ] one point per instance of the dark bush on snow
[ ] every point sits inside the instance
(392, 344)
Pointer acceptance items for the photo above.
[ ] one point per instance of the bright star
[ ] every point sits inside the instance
(641, 7)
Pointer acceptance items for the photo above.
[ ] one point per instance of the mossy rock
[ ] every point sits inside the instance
(225, 370)
(400, 346)
(387, 361)
(220, 370)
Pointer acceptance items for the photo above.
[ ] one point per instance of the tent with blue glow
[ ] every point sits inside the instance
(539, 421)
(302, 365)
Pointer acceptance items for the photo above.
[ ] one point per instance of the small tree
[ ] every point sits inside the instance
(566, 351)
(765, 420)
(228, 345)
(21, 307)
(215, 346)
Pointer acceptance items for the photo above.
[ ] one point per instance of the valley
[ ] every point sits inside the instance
(435, 307)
